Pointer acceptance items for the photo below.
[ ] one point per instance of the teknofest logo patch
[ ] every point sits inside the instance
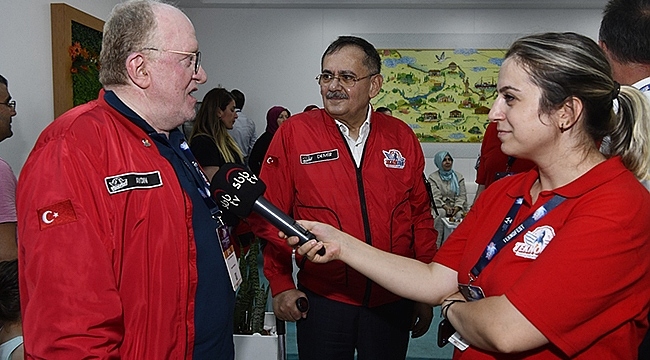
(534, 243)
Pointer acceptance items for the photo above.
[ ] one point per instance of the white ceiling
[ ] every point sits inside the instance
(396, 4)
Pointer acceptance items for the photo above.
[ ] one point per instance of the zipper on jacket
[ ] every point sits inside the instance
(363, 205)
(366, 227)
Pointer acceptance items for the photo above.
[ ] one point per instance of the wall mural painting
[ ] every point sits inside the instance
(444, 95)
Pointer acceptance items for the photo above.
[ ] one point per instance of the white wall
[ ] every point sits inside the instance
(26, 61)
(273, 55)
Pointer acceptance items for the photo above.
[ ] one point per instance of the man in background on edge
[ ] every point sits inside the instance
(625, 37)
(8, 249)
(119, 256)
(243, 131)
(361, 171)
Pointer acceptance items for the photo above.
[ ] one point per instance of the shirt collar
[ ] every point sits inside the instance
(363, 130)
(114, 101)
(598, 175)
(643, 84)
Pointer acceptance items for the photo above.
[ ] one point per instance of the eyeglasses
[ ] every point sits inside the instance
(11, 104)
(346, 80)
(196, 56)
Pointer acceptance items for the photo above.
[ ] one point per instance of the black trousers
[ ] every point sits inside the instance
(334, 330)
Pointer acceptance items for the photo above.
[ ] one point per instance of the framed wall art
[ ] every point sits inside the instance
(76, 44)
(441, 85)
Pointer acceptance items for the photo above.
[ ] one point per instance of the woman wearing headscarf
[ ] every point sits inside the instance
(274, 118)
(447, 186)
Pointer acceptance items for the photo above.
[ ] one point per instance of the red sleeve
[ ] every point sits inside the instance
(425, 234)
(71, 307)
(490, 142)
(277, 176)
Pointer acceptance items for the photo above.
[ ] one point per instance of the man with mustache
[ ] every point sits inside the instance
(362, 172)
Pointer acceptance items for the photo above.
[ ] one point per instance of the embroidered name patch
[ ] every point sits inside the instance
(393, 159)
(56, 214)
(129, 181)
(534, 243)
(319, 157)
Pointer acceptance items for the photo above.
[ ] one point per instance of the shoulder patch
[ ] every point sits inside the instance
(393, 159)
(56, 214)
(129, 181)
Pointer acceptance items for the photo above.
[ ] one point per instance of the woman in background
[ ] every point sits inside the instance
(553, 263)
(274, 118)
(11, 328)
(210, 142)
(447, 186)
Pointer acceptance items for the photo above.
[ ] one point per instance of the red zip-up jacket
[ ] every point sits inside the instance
(106, 251)
(311, 174)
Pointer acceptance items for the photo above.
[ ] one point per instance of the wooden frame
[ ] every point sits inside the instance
(62, 17)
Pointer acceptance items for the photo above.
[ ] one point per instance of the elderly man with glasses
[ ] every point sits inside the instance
(119, 254)
(362, 172)
(7, 179)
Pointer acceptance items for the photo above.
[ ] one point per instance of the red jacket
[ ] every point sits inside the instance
(311, 174)
(104, 275)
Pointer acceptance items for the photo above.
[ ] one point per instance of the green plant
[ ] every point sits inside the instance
(250, 303)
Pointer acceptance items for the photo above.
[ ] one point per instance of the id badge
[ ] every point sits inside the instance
(471, 292)
(229, 256)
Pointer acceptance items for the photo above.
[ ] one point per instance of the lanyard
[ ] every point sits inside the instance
(511, 160)
(499, 240)
(201, 182)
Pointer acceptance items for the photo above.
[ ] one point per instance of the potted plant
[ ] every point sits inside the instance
(255, 335)
(250, 303)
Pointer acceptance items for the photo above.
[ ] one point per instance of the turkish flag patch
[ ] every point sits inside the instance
(271, 161)
(56, 214)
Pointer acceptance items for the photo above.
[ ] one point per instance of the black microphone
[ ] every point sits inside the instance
(240, 192)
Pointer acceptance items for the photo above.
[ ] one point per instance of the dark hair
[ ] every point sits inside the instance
(625, 29)
(565, 65)
(383, 109)
(9, 296)
(372, 61)
(239, 98)
(3, 81)
(208, 123)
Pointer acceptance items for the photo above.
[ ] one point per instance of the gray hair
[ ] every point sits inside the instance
(129, 28)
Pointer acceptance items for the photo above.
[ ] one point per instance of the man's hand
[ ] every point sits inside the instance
(284, 305)
(422, 317)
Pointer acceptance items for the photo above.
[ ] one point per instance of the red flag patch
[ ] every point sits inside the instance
(56, 214)
(272, 161)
